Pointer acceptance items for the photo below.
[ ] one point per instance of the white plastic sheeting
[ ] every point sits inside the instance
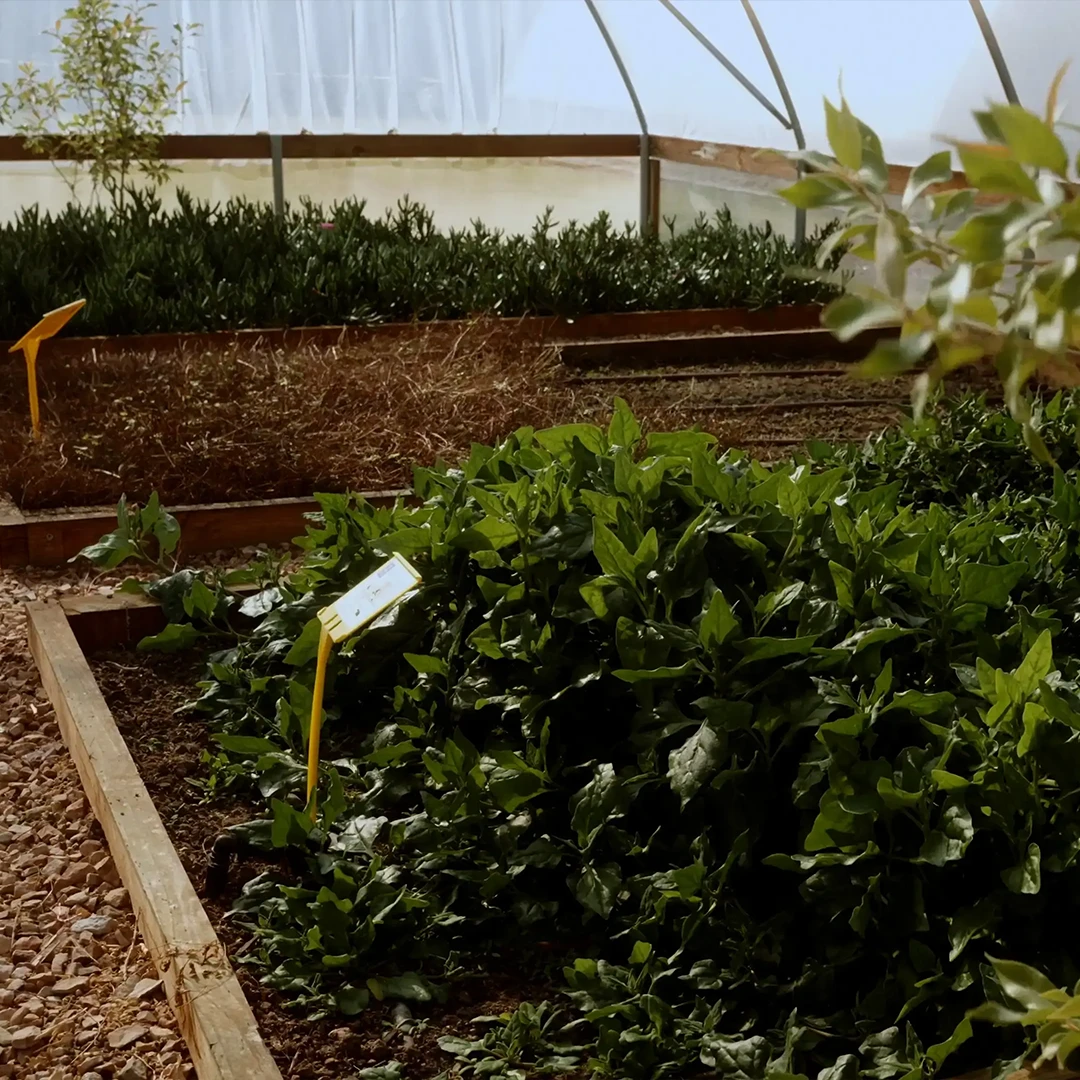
(541, 66)
(913, 69)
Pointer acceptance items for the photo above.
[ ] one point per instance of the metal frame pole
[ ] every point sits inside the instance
(732, 70)
(995, 52)
(645, 225)
(277, 172)
(789, 104)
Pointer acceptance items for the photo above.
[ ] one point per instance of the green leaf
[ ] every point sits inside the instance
(290, 827)
(695, 762)
(843, 582)
(488, 534)
(1037, 664)
(615, 561)
(767, 648)
(915, 701)
(1021, 983)
(659, 674)
(717, 623)
(981, 583)
(812, 191)
(407, 987)
(174, 638)
(940, 1051)
(1026, 877)
(306, 647)
(936, 169)
(845, 137)
(427, 665)
(893, 356)
(996, 175)
(597, 887)
(1030, 139)
(248, 745)
(850, 315)
(623, 430)
(889, 261)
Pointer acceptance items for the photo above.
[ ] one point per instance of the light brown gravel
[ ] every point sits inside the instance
(78, 1001)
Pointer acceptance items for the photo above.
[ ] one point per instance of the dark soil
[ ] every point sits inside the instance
(240, 424)
(143, 691)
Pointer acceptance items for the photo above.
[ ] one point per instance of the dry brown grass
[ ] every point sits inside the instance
(239, 424)
(244, 424)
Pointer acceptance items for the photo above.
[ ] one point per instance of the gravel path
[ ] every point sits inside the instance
(79, 997)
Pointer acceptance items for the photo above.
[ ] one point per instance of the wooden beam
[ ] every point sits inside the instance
(369, 147)
(213, 1015)
(544, 328)
(763, 162)
(705, 349)
(53, 537)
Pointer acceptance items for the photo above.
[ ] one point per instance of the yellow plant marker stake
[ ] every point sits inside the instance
(359, 606)
(47, 326)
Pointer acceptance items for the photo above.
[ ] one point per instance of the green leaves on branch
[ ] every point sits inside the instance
(1019, 300)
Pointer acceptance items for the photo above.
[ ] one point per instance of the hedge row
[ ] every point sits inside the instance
(200, 267)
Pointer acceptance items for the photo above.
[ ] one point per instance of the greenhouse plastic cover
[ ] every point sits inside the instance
(912, 69)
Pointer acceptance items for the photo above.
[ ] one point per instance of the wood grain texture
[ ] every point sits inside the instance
(53, 537)
(213, 1014)
(549, 328)
(385, 147)
(705, 349)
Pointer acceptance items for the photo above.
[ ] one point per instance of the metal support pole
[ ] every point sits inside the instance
(995, 52)
(789, 104)
(739, 77)
(277, 171)
(645, 185)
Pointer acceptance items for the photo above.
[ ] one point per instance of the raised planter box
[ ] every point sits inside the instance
(212, 1012)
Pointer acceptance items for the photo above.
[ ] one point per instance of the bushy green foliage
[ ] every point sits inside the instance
(776, 756)
(964, 451)
(144, 269)
(1004, 248)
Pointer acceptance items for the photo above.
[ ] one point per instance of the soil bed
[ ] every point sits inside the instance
(143, 691)
(239, 424)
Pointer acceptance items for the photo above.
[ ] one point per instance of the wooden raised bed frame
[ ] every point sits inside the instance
(212, 1012)
(51, 538)
(213, 1015)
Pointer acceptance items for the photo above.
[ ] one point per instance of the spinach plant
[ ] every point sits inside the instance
(775, 755)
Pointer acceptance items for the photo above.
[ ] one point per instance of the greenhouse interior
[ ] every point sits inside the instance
(539, 538)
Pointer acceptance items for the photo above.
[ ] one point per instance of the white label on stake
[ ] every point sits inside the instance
(369, 599)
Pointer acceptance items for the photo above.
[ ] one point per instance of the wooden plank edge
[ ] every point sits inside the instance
(13, 550)
(790, 344)
(388, 147)
(548, 328)
(52, 538)
(213, 1015)
(101, 622)
(761, 161)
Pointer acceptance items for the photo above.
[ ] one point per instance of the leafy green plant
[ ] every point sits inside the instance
(518, 1045)
(772, 753)
(143, 269)
(1007, 287)
(107, 112)
(1029, 998)
(146, 534)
